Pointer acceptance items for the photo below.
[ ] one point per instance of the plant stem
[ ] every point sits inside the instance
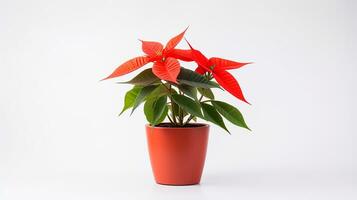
(168, 116)
(189, 119)
(208, 100)
(173, 110)
(173, 120)
(209, 76)
(192, 116)
(181, 116)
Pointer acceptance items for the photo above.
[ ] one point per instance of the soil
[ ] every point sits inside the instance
(173, 126)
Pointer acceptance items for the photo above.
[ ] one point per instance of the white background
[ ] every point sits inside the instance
(60, 137)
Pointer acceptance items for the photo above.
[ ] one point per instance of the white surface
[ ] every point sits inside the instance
(60, 137)
(226, 185)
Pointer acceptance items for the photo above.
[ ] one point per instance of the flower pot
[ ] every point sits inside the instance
(177, 154)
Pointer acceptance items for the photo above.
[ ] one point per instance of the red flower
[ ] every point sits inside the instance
(166, 65)
(218, 67)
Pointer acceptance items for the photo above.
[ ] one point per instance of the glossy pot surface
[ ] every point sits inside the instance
(177, 154)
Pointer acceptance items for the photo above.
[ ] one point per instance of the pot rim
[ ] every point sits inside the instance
(179, 128)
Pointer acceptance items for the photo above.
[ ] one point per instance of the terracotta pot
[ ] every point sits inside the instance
(177, 154)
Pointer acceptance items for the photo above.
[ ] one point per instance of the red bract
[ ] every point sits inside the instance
(166, 65)
(218, 67)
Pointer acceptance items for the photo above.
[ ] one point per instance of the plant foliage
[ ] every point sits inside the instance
(180, 95)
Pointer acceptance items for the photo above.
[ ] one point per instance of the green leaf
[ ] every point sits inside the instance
(206, 92)
(231, 113)
(195, 79)
(211, 114)
(188, 90)
(174, 108)
(158, 92)
(188, 105)
(163, 115)
(143, 93)
(144, 78)
(155, 110)
(130, 97)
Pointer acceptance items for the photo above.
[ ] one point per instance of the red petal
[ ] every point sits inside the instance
(229, 83)
(171, 44)
(181, 54)
(223, 64)
(200, 70)
(199, 58)
(152, 49)
(167, 70)
(129, 66)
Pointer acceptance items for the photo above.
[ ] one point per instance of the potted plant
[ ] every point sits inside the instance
(169, 91)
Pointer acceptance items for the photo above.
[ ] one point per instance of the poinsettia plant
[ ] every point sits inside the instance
(179, 94)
